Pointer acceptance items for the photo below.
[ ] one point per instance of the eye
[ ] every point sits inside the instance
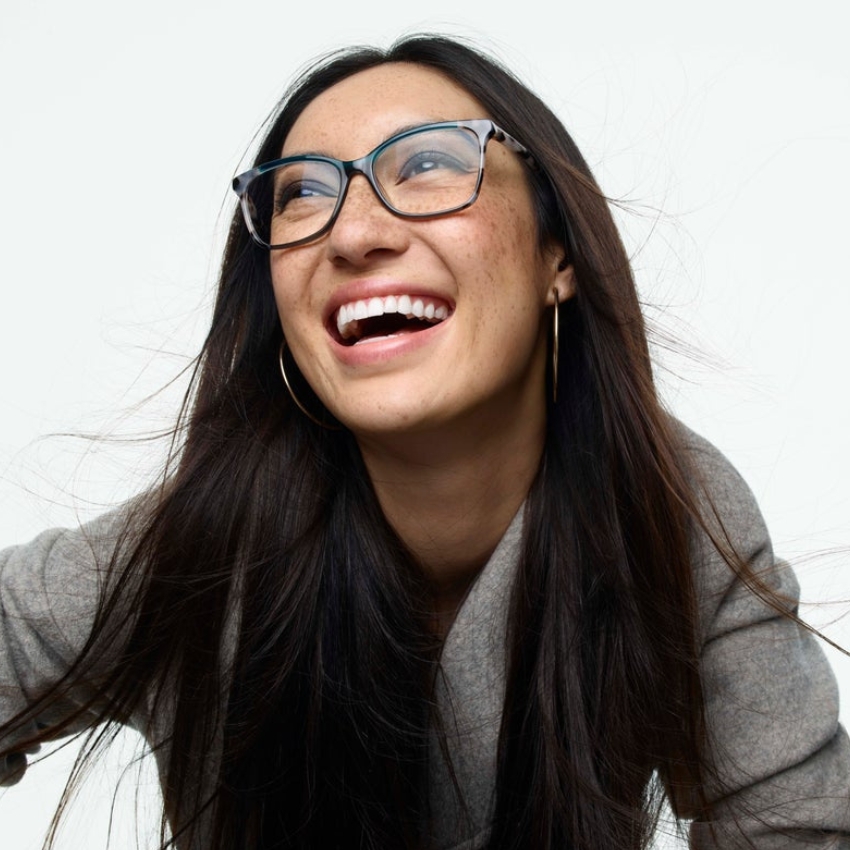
(287, 194)
(429, 162)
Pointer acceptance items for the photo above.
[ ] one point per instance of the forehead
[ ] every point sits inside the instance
(358, 113)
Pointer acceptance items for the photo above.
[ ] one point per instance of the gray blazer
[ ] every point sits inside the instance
(772, 701)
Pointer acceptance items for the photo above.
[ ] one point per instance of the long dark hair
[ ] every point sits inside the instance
(278, 646)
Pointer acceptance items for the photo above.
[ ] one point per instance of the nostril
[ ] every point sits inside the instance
(363, 224)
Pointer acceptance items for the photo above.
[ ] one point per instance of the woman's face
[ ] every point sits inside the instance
(481, 268)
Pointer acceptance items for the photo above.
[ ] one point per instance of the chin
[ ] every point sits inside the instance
(390, 420)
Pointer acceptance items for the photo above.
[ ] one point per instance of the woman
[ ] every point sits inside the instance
(431, 566)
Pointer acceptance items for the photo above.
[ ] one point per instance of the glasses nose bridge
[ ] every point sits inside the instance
(364, 167)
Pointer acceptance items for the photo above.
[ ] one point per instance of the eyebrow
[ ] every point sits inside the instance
(396, 132)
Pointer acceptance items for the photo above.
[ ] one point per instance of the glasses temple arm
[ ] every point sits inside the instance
(516, 146)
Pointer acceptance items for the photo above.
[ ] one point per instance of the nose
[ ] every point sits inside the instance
(364, 227)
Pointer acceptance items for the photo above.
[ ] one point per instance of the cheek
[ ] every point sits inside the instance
(505, 249)
(508, 228)
(291, 290)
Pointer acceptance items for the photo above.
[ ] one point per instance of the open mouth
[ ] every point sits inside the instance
(379, 318)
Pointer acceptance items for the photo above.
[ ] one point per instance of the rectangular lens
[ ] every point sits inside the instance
(429, 172)
(294, 201)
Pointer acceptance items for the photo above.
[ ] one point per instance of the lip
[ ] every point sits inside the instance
(387, 349)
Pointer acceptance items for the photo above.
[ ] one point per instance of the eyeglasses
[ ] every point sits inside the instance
(428, 171)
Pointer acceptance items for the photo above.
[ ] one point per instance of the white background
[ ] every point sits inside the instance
(724, 127)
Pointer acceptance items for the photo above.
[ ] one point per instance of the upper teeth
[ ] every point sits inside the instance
(350, 314)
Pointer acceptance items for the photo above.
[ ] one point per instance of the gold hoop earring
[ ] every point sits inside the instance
(295, 397)
(555, 347)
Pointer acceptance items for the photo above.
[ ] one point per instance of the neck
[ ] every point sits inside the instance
(450, 498)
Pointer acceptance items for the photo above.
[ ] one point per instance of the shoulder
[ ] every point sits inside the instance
(729, 515)
(738, 578)
(720, 488)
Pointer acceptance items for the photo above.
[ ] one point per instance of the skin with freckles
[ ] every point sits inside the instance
(450, 419)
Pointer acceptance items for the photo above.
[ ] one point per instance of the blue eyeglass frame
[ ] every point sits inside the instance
(484, 128)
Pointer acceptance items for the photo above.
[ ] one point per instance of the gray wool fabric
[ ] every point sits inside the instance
(782, 762)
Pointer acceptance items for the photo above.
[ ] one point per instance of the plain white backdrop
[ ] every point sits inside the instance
(723, 129)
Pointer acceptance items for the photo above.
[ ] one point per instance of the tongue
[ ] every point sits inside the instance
(380, 327)
(399, 332)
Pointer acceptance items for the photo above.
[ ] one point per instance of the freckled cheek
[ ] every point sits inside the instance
(507, 244)
(290, 284)
(508, 251)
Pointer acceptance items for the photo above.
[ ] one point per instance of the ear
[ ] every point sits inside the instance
(560, 275)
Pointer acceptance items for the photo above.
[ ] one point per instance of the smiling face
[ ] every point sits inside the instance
(475, 283)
